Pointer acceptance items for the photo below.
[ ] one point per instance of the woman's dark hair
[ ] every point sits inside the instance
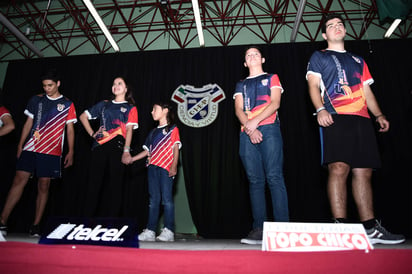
(129, 93)
(170, 114)
(330, 17)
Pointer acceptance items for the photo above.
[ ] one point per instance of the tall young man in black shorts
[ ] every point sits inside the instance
(340, 92)
(40, 148)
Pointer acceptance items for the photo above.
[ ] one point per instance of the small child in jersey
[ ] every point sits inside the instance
(162, 151)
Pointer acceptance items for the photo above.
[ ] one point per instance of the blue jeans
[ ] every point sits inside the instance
(160, 190)
(264, 162)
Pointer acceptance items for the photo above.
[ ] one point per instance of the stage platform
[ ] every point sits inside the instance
(192, 242)
(190, 254)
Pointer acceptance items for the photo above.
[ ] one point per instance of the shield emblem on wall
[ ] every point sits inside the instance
(198, 107)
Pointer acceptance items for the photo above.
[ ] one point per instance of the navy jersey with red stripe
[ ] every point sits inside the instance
(50, 116)
(256, 92)
(160, 143)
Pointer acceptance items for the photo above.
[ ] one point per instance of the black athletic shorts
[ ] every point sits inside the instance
(350, 139)
(40, 165)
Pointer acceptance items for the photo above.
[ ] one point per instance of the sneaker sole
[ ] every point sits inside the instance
(147, 240)
(387, 242)
(162, 240)
(251, 242)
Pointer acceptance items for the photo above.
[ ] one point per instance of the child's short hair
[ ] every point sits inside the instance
(170, 114)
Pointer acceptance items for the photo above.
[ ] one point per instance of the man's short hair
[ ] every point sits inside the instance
(254, 47)
(51, 75)
(330, 17)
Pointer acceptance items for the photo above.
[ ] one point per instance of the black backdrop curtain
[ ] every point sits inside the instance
(215, 181)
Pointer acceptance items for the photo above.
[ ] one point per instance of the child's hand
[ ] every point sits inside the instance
(127, 158)
(172, 171)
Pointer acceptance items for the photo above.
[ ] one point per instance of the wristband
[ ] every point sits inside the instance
(126, 149)
(320, 109)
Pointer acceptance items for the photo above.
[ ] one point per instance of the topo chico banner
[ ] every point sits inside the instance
(278, 236)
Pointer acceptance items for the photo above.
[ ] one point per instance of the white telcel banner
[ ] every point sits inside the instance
(278, 236)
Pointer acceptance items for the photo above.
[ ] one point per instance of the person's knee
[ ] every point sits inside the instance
(362, 174)
(339, 169)
(21, 178)
(43, 185)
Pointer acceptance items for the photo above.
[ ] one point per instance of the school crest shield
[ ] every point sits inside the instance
(198, 107)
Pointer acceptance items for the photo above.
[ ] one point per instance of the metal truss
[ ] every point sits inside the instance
(65, 27)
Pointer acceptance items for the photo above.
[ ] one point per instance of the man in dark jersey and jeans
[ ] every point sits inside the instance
(339, 89)
(257, 100)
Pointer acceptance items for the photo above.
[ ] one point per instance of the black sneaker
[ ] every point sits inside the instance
(3, 229)
(379, 235)
(35, 231)
(254, 237)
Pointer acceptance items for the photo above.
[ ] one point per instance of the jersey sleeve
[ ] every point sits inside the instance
(175, 138)
(32, 106)
(148, 141)
(133, 118)
(95, 111)
(3, 113)
(366, 75)
(238, 89)
(314, 65)
(72, 117)
(275, 82)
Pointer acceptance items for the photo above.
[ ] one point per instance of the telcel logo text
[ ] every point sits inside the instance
(81, 233)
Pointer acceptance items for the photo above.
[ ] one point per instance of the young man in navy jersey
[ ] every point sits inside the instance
(340, 92)
(257, 100)
(40, 147)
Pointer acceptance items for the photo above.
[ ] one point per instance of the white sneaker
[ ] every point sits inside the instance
(166, 235)
(147, 236)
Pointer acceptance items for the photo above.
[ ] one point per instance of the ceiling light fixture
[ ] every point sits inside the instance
(102, 26)
(392, 28)
(298, 18)
(196, 11)
(20, 35)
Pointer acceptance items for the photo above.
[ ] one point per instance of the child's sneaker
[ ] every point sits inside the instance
(166, 235)
(3, 229)
(147, 236)
(34, 231)
(379, 235)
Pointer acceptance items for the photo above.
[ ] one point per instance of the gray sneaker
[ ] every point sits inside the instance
(147, 236)
(166, 236)
(254, 237)
(379, 235)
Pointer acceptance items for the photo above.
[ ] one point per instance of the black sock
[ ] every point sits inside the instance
(340, 220)
(368, 224)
